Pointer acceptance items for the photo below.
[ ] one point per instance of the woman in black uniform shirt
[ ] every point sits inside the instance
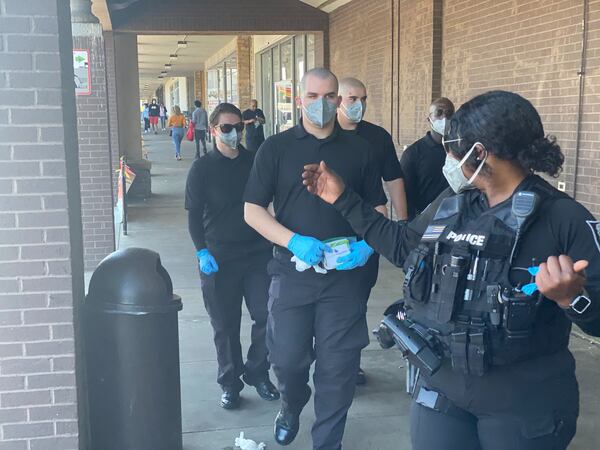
(524, 272)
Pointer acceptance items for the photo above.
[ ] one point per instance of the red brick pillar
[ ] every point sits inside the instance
(244, 65)
(95, 162)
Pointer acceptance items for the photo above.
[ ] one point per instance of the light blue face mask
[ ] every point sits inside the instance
(354, 112)
(230, 139)
(320, 112)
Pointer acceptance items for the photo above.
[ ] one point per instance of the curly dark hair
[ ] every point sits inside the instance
(509, 127)
(223, 108)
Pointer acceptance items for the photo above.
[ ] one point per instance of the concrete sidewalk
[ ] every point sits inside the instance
(378, 419)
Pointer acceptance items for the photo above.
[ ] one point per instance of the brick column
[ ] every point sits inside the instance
(127, 99)
(199, 85)
(244, 60)
(113, 114)
(94, 150)
(41, 252)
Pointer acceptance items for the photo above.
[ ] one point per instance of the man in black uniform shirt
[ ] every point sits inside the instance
(254, 120)
(422, 161)
(232, 257)
(313, 316)
(350, 117)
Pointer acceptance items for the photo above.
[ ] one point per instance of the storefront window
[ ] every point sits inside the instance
(281, 69)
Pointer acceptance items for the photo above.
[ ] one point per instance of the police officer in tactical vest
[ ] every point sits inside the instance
(497, 269)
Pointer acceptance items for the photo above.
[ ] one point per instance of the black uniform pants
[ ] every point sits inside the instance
(223, 291)
(321, 318)
(531, 406)
(200, 136)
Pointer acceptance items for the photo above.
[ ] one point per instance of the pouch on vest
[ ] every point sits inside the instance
(452, 278)
(417, 278)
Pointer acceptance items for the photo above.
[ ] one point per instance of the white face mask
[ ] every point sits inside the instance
(438, 125)
(453, 170)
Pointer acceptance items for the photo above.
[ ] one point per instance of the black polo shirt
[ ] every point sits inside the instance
(214, 194)
(424, 180)
(276, 176)
(383, 148)
(253, 132)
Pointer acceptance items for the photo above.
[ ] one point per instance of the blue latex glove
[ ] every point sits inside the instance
(307, 249)
(529, 289)
(206, 262)
(360, 252)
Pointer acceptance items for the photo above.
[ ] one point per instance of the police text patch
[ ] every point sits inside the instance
(595, 226)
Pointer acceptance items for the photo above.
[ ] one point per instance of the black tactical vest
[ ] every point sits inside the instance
(457, 283)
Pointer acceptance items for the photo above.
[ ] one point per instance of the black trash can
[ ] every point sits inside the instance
(132, 354)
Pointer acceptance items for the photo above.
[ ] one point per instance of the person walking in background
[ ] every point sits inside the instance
(154, 113)
(254, 120)
(163, 116)
(177, 125)
(422, 161)
(200, 119)
(146, 117)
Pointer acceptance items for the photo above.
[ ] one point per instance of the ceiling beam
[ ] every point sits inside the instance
(100, 10)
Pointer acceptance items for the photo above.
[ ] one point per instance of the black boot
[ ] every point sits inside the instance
(361, 378)
(287, 424)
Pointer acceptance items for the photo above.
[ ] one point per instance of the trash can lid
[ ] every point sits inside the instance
(132, 281)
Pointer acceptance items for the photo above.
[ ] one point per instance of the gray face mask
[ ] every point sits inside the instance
(453, 170)
(230, 139)
(354, 112)
(320, 112)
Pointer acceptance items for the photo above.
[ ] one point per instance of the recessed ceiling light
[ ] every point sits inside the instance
(181, 44)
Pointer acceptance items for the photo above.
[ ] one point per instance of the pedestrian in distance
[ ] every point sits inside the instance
(254, 119)
(200, 120)
(154, 114)
(163, 116)
(177, 124)
(146, 118)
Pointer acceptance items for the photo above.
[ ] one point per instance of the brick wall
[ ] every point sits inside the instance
(460, 48)
(534, 49)
(94, 151)
(360, 40)
(40, 228)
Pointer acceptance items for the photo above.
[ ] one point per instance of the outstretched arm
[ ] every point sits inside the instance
(394, 240)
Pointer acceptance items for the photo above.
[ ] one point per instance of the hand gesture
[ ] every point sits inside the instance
(561, 280)
(323, 182)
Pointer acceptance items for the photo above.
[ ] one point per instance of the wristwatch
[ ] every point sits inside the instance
(580, 304)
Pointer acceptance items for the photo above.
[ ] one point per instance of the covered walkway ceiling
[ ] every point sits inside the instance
(215, 17)
(154, 51)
